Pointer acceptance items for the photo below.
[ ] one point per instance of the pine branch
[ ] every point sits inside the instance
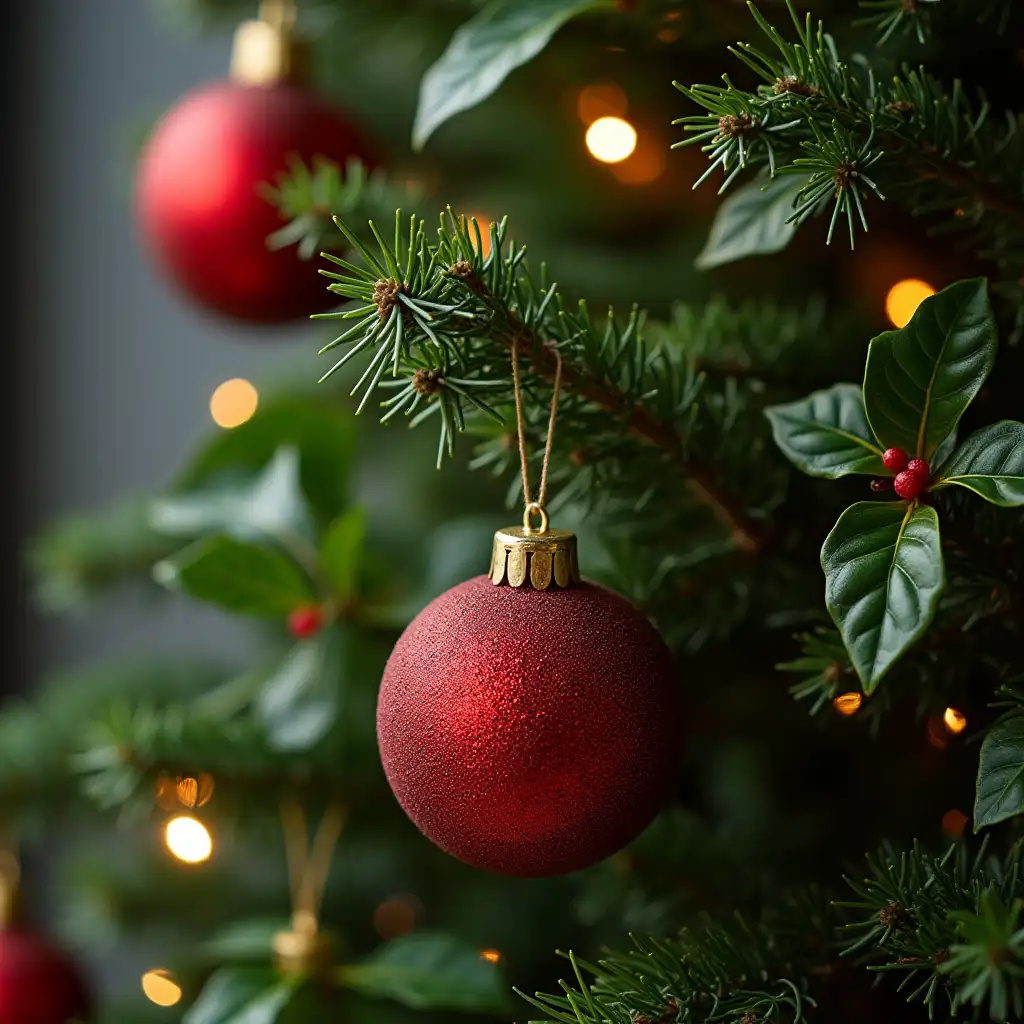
(818, 116)
(435, 313)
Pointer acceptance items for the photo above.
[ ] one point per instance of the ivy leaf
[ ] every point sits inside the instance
(827, 434)
(341, 550)
(482, 53)
(255, 995)
(919, 380)
(429, 972)
(990, 463)
(754, 220)
(883, 577)
(241, 577)
(1000, 790)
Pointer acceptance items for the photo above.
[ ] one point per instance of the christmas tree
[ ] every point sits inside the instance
(680, 358)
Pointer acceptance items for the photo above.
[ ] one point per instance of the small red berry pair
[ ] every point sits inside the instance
(305, 621)
(911, 474)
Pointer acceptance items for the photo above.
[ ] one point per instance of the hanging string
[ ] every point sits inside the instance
(542, 494)
(308, 868)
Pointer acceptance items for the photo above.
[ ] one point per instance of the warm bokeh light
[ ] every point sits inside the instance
(645, 164)
(396, 916)
(954, 720)
(492, 956)
(602, 99)
(903, 299)
(954, 822)
(188, 839)
(938, 736)
(233, 402)
(611, 139)
(160, 988)
(848, 703)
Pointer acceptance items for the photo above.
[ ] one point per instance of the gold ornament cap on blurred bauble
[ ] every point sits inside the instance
(266, 50)
(304, 949)
(534, 555)
(10, 891)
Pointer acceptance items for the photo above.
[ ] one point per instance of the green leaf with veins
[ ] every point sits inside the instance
(482, 53)
(754, 220)
(883, 578)
(240, 577)
(919, 380)
(237, 995)
(827, 434)
(1000, 788)
(990, 463)
(427, 971)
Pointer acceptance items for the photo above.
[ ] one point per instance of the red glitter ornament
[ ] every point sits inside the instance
(199, 202)
(38, 983)
(530, 732)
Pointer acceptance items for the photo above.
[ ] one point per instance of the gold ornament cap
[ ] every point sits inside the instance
(304, 949)
(10, 892)
(538, 556)
(265, 50)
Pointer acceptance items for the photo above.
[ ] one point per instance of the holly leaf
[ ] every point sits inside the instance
(341, 550)
(482, 53)
(426, 971)
(237, 995)
(271, 504)
(297, 704)
(883, 577)
(919, 380)
(1000, 789)
(241, 577)
(754, 220)
(827, 434)
(990, 463)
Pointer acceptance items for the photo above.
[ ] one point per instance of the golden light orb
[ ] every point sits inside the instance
(161, 988)
(955, 721)
(188, 839)
(611, 139)
(903, 299)
(848, 703)
(233, 402)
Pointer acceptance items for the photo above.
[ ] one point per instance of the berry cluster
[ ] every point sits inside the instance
(911, 474)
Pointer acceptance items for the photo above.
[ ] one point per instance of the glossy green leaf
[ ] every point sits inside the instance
(753, 220)
(990, 463)
(242, 941)
(298, 705)
(241, 577)
(322, 433)
(883, 577)
(919, 380)
(429, 972)
(482, 53)
(1000, 789)
(236, 995)
(827, 434)
(341, 550)
(271, 504)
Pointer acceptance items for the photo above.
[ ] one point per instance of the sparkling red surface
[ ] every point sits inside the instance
(38, 983)
(199, 207)
(529, 732)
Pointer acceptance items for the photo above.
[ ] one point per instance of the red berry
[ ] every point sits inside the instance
(895, 459)
(304, 622)
(920, 467)
(908, 485)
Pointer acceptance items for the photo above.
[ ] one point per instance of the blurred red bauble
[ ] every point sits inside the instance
(530, 732)
(199, 202)
(38, 983)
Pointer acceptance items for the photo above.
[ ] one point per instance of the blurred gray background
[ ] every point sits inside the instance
(115, 371)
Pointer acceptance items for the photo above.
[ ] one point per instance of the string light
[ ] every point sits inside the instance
(233, 402)
(955, 721)
(161, 988)
(188, 839)
(848, 703)
(492, 956)
(903, 299)
(611, 139)
(602, 99)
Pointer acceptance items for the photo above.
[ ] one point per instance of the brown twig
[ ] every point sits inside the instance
(747, 535)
